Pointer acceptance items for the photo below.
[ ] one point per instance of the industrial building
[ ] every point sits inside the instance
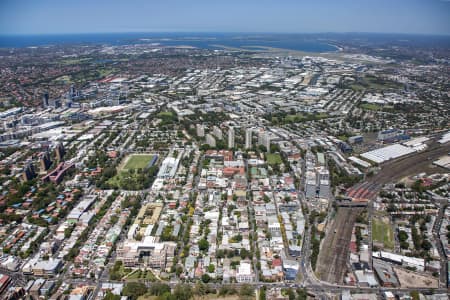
(357, 139)
(443, 162)
(389, 134)
(406, 261)
(387, 153)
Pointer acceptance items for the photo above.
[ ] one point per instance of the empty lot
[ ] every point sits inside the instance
(409, 279)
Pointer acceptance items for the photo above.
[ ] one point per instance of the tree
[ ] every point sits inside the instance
(246, 291)
(415, 295)
(262, 293)
(166, 296)
(211, 268)
(203, 245)
(274, 148)
(404, 245)
(244, 253)
(134, 290)
(417, 186)
(415, 237)
(291, 294)
(237, 238)
(206, 278)
(111, 296)
(205, 147)
(67, 232)
(402, 236)
(262, 148)
(302, 294)
(426, 245)
(158, 289)
(182, 292)
(200, 289)
(227, 290)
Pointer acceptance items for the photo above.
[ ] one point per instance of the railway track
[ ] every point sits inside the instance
(335, 248)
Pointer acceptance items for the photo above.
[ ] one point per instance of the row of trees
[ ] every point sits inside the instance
(163, 291)
(281, 118)
(315, 217)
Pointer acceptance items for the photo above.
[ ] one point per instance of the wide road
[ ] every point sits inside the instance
(313, 287)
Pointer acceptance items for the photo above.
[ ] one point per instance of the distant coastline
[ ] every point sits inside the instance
(304, 42)
(201, 40)
(338, 49)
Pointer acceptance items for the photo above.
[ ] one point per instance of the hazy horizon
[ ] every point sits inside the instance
(27, 17)
(230, 32)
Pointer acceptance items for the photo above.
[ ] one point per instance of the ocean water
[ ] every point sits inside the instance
(198, 40)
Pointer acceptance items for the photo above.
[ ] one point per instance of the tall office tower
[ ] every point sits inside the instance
(231, 137)
(200, 130)
(248, 138)
(44, 161)
(60, 151)
(45, 100)
(210, 140)
(217, 132)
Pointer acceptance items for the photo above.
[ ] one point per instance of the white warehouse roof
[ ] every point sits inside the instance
(387, 153)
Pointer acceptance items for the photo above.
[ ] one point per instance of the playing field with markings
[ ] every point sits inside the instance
(137, 161)
(382, 232)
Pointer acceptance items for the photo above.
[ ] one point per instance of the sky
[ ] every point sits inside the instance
(284, 16)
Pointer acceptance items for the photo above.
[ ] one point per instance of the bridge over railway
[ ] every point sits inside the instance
(350, 203)
(334, 250)
(392, 171)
